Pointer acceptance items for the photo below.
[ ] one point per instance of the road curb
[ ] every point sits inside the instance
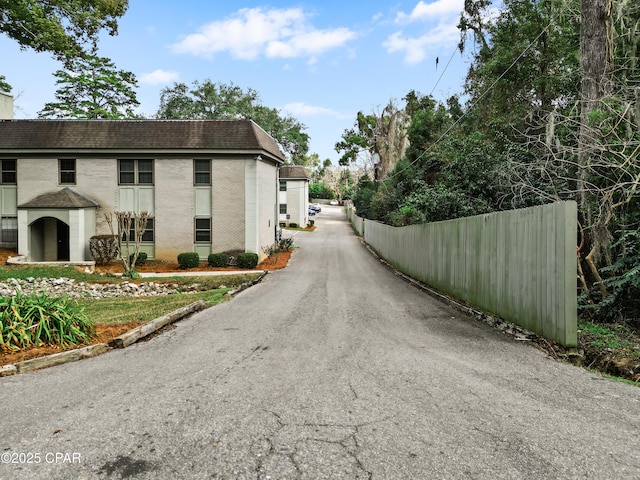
(122, 341)
(89, 351)
(244, 286)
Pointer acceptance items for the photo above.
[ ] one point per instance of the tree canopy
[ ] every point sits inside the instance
(91, 87)
(62, 27)
(4, 86)
(220, 101)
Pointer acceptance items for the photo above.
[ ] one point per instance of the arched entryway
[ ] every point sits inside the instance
(56, 227)
(49, 240)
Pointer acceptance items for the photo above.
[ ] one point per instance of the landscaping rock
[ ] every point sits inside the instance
(59, 287)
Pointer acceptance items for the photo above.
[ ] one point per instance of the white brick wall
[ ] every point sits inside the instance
(174, 207)
(174, 199)
(228, 197)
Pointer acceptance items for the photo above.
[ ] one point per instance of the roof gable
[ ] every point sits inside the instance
(65, 198)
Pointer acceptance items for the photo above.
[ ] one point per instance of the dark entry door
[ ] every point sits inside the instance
(63, 241)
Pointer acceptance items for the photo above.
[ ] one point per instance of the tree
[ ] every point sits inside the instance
(4, 86)
(61, 27)
(596, 54)
(219, 101)
(130, 227)
(380, 140)
(525, 63)
(91, 87)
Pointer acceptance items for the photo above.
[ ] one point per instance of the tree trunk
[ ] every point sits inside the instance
(596, 61)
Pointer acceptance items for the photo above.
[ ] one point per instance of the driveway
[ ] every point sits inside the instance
(332, 368)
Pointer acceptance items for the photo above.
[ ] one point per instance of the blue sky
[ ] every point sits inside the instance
(322, 61)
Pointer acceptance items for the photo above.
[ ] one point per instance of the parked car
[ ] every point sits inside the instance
(334, 202)
(316, 207)
(312, 212)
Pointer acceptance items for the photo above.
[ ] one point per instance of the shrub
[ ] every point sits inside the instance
(188, 260)
(141, 260)
(36, 319)
(286, 244)
(293, 225)
(218, 259)
(103, 248)
(271, 250)
(247, 260)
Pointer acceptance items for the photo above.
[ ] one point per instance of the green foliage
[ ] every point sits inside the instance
(62, 27)
(141, 260)
(247, 260)
(38, 319)
(321, 190)
(285, 244)
(91, 87)
(218, 259)
(623, 283)
(4, 86)
(219, 101)
(357, 139)
(537, 66)
(611, 336)
(188, 260)
(293, 225)
(363, 198)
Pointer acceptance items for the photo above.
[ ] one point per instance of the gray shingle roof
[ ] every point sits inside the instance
(137, 135)
(65, 198)
(291, 172)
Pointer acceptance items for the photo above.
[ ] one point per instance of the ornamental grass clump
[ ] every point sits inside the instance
(36, 319)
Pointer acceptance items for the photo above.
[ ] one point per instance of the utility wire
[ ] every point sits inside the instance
(437, 142)
(443, 71)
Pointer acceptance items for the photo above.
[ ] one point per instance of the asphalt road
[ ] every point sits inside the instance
(332, 368)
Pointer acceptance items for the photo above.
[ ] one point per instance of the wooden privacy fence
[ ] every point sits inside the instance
(519, 265)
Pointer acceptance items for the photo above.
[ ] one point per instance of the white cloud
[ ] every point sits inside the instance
(159, 77)
(439, 18)
(415, 49)
(304, 110)
(253, 32)
(431, 10)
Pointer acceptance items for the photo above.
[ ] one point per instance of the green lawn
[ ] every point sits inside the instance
(211, 288)
(144, 309)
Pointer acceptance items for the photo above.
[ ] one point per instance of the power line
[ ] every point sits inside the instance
(473, 105)
(443, 71)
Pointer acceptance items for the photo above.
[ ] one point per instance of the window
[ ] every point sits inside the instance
(9, 229)
(283, 208)
(67, 170)
(283, 185)
(147, 236)
(202, 172)
(203, 230)
(135, 172)
(8, 172)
